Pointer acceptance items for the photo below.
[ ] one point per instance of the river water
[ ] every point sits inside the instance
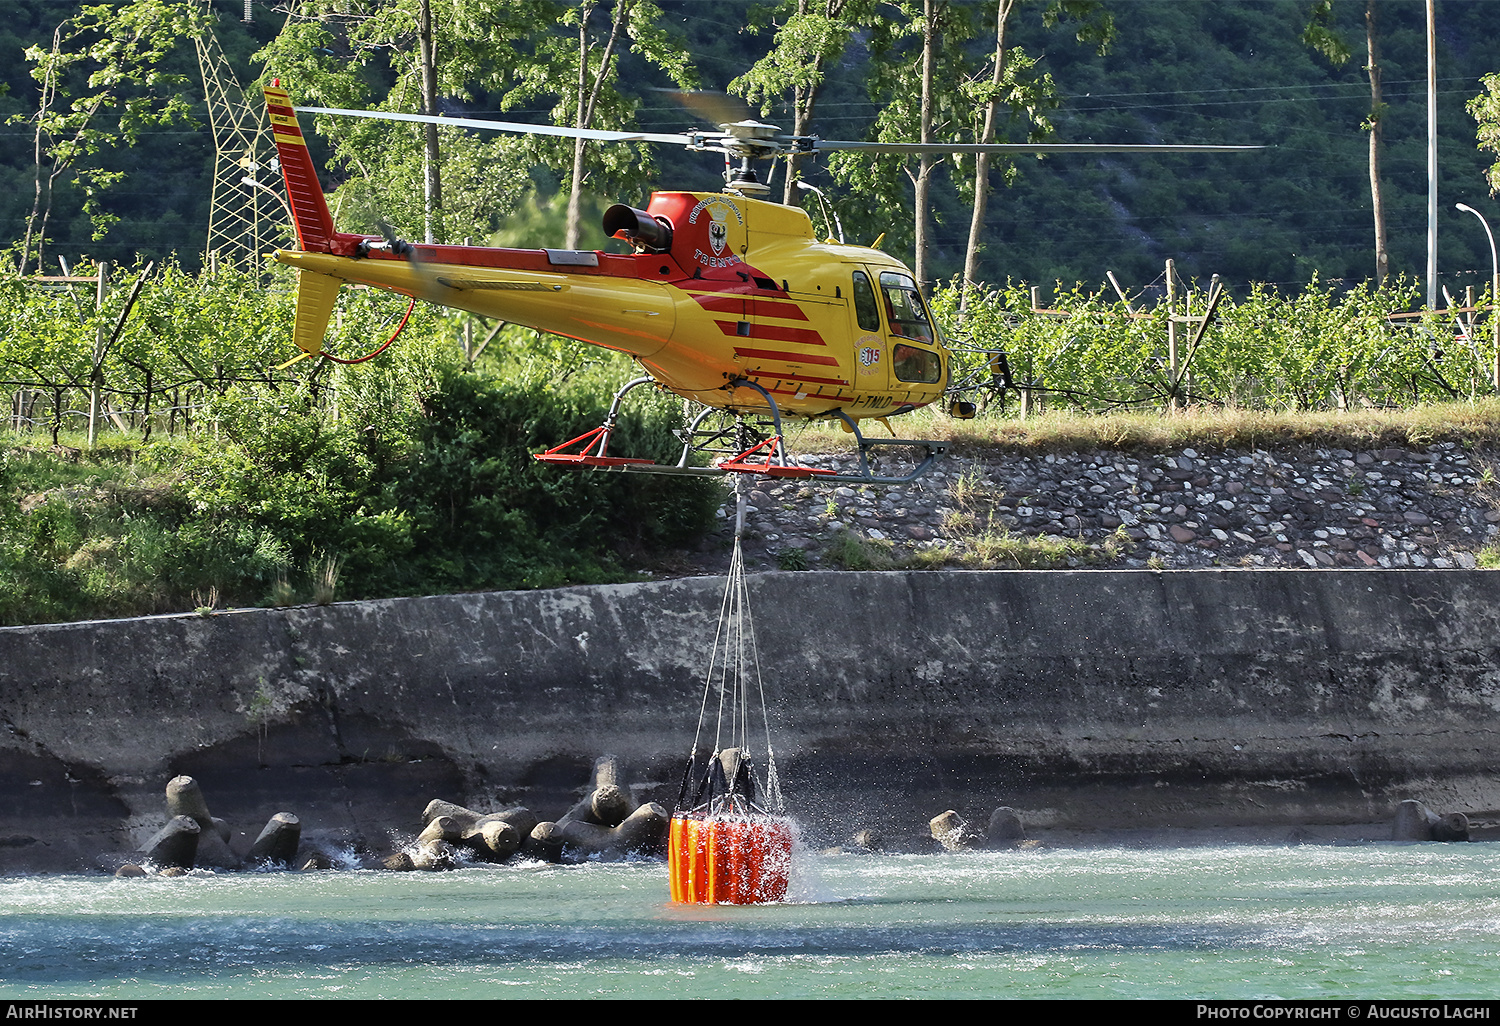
(1377, 921)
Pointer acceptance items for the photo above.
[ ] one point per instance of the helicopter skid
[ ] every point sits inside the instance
(766, 457)
(773, 470)
(773, 463)
(613, 464)
(585, 460)
(672, 470)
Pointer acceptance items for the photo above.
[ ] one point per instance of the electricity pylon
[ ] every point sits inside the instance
(245, 215)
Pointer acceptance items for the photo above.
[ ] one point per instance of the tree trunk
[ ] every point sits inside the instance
(37, 217)
(431, 161)
(802, 112)
(96, 374)
(588, 98)
(802, 106)
(34, 219)
(925, 166)
(1377, 117)
(982, 160)
(575, 190)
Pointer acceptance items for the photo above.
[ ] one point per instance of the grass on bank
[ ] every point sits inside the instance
(976, 539)
(1472, 423)
(993, 547)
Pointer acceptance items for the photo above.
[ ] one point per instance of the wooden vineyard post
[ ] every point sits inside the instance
(1174, 399)
(96, 373)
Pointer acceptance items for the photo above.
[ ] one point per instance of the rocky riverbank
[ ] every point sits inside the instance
(1436, 506)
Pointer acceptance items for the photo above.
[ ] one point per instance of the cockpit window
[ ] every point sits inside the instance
(913, 363)
(904, 308)
(865, 310)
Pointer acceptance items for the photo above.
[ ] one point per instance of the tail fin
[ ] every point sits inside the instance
(315, 292)
(315, 229)
(315, 297)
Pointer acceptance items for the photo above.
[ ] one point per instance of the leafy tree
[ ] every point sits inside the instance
(808, 42)
(342, 54)
(1014, 84)
(1486, 111)
(1323, 348)
(1321, 36)
(581, 69)
(396, 55)
(105, 58)
(47, 342)
(917, 65)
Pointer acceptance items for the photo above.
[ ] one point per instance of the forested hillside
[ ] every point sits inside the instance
(1174, 71)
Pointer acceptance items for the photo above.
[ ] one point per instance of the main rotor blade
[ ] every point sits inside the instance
(593, 134)
(879, 147)
(778, 143)
(717, 108)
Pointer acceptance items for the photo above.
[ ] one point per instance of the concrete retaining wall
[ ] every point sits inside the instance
(1086, 699)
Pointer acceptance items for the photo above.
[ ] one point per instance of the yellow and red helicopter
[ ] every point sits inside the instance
(728, 300)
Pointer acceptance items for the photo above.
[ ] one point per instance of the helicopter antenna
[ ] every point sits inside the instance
(835, 222)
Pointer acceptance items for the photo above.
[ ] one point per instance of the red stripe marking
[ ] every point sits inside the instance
(773, 333)
(772, 354)
(756, 307)
(731, 286)
(315, 229)
(793, 392)
(806, 377)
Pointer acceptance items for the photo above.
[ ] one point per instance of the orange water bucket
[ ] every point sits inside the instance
(729, 859)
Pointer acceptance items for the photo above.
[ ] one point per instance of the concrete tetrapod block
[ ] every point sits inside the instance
(278, 841)
(607, 805)
(950, 830)
(1414, 822)
(443, 828)
(497, 836)
(611, 805)
(185, 798)
(644, 832)
(1005, 826)
(175, 844)
(494, 836)
(544, 843)
(437, 807)
(398, 862)
(1453, 826)
(606, 773)
(518, 816)
(495, 840)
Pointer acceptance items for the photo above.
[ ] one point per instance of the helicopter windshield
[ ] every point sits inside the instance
(904, 308)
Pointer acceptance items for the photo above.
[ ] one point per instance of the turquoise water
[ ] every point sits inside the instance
(1242, 922)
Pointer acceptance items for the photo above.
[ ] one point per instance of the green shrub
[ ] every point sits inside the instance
(290, 501)
(487, 512)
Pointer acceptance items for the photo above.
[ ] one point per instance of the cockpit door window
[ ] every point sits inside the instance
(904, 307)
(866, 312)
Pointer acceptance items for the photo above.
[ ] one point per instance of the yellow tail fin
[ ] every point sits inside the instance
(315, 297)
